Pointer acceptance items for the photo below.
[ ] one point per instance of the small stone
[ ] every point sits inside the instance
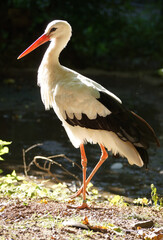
(116, 166)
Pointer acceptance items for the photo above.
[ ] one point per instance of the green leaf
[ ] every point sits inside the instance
(3, 148)
(2, 143)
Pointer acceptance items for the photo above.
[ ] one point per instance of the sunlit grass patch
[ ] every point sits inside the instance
(15, 186)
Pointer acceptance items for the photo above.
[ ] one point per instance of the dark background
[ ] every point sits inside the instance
(108, 34)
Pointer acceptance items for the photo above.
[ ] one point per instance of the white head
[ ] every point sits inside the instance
(57, 29)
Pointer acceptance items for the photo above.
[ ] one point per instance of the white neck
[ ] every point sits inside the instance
(55, 48)
(50, 70)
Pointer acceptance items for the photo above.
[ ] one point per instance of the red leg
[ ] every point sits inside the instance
(104, 156)
(84, 168)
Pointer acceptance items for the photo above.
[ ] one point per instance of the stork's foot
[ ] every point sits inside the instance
(83, 206)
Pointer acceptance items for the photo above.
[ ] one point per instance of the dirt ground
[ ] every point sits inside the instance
(47, 219)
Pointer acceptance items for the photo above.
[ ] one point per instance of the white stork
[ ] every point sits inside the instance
(88, 111)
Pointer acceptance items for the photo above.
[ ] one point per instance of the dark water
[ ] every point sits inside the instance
(24, 121)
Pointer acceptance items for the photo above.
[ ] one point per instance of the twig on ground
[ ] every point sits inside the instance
(24, 160)
(47, 164)
(47, 169)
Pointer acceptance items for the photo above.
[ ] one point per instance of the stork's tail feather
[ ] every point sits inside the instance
(144, 155)
(146, 129)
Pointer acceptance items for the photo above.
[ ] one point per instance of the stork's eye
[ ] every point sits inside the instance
(53, 29)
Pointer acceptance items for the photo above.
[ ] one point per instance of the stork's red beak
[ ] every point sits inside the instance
(41, 40)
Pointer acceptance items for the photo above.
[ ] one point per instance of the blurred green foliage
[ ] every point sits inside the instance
(105, 33)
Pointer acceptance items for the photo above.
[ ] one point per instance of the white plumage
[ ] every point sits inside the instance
(88, 111)
(80, 96)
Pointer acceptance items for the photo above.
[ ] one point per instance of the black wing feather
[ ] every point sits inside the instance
(125, 124)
